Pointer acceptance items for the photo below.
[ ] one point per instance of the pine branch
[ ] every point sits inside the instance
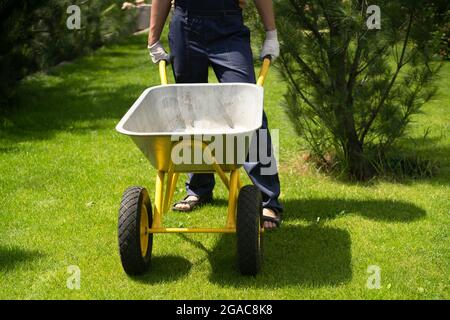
(383, 99)
(294, 83)
(314, 29)
(376, 55)
(287, 69)
(353, 74)
(310, 72)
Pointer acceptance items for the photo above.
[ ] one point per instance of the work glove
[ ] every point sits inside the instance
(157, 52)
(271, 46)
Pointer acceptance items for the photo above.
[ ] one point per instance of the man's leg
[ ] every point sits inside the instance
(235, 64)
(268, 182)
(190, 65)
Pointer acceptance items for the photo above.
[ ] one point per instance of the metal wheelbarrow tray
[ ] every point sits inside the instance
(164, 115)
(193, 118)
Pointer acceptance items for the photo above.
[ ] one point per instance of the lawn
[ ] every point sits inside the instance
(63, 169)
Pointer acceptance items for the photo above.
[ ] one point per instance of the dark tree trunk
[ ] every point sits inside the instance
(358, 166)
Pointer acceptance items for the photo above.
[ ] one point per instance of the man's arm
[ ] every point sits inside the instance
(265, 10)
(160, 11)
(158, 17)
(271, 47)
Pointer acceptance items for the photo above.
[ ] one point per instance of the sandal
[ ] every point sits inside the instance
(192, 204)
(276, 220)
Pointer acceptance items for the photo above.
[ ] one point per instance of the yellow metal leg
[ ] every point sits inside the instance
(172, 179)
(222, 175)
(157, 211)
(173, 186)
(232, 199)
(169, 188)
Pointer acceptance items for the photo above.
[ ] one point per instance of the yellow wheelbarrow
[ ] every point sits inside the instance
(178, 127)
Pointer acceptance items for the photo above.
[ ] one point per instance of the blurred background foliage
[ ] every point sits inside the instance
(35, 36)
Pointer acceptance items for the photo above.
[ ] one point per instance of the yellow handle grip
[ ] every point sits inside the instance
(162, 71)
(263, 73)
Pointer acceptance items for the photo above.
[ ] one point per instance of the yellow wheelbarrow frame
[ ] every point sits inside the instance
(233, 183)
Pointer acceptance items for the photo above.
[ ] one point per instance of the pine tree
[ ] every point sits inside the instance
(352, 90)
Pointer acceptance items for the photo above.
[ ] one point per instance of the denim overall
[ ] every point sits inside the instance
(207, 33)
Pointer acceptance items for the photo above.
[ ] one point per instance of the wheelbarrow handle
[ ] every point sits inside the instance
(260, 82)
(162, 72)
(264, 70)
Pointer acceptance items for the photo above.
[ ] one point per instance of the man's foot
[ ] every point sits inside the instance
(271, 219)
(189, 203)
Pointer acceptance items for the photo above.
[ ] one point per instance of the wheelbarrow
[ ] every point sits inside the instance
(167, 118)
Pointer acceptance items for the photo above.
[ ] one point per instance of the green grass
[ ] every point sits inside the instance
(63, 169)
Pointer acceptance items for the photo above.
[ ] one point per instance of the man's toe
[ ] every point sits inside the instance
(269, 225)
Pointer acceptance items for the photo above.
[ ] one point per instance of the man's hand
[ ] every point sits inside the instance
(160, 11)
(157, 52)
(271, 46)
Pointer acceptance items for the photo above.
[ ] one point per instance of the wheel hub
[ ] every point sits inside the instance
(144, 230)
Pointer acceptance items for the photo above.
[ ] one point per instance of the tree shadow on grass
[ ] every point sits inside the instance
(313, 256)
(429, 155)
(67, 107)
(381, 210)
(12, 257)
(77, 97)
(308, 256)
(165, 269)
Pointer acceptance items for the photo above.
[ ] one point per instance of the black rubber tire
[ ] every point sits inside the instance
(249, 235)
(133, 262)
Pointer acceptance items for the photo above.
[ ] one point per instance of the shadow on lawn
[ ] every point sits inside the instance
(12, 257)
(165, 269)
(310, 256)
(382, 210)
(59, 108)
(76, 97)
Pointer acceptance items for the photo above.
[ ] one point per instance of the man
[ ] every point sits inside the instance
(207, 33)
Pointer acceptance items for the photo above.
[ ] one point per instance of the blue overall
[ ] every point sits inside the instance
(207, 33)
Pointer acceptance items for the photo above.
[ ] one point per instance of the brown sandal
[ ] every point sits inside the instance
(192, 204)
(276, 220)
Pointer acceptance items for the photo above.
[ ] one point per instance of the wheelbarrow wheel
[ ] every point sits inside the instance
(249, 225)
(135, 244)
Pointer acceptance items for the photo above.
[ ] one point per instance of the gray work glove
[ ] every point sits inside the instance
(271, 46)
(157, 52)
